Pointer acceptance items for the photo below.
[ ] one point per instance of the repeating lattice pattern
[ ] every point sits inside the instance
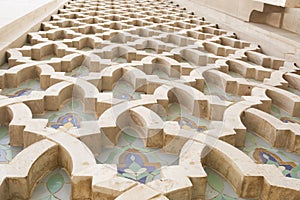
(142, 98)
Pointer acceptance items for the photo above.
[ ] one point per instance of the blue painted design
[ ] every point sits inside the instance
(68, 120)
(2, 155)
(262, 155)
(135, 166)
(288, 120)
(23, 92)
(186, 123)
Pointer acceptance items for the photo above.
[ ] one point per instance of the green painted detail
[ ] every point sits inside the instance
(55, 183)
(215, 182)
(219, 197)
(53, 117)
(3, 131)
(295, 172)
(112, 156)
(130, 139)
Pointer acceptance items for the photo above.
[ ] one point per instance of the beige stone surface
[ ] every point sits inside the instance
(285, 43)
(276, 132)
(144, 191)
(130, 42)
(27, 168)
(174, 183)
(25, 16)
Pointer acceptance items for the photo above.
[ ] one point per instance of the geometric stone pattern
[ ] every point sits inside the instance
(128, 63)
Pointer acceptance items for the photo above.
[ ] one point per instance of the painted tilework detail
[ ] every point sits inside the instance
(188, 124)
(261, 152)
(124, 91)
(54, 186)
(7, 152)
(283, 116)
(134, 165)
(69, 120)
(134, 160)
(68, 117)
(88, 29)
(24, 89)
(218, 188)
